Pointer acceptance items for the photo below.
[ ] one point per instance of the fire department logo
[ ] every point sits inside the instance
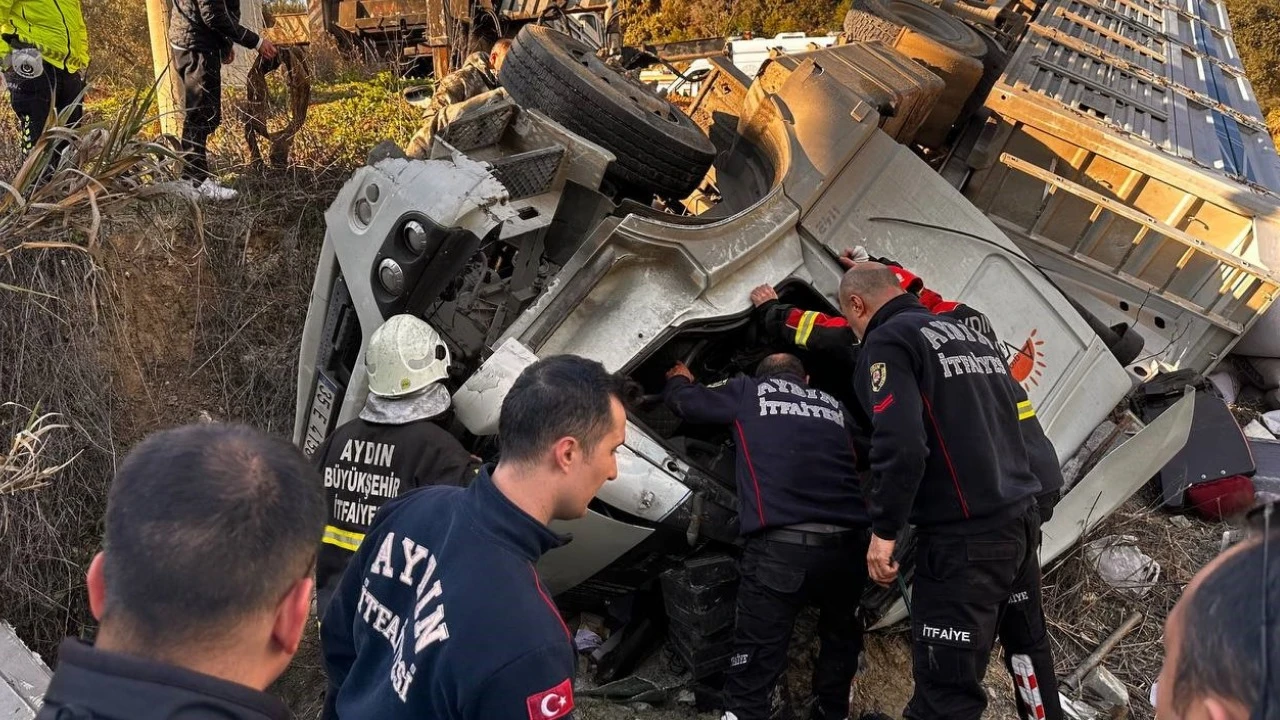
(879, 373)
(1027, 362)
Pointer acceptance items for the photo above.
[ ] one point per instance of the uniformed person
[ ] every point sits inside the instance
(393, 446)
(950, 453)
(203, 588)
(442, 614)
(478, 75)
(804, 522)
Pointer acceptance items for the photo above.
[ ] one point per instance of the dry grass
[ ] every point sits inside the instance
(25, 466)
(1083, 610)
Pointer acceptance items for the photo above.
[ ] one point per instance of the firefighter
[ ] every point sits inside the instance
(44, 49)
(442, 614)
(204, 34)
(203, 587)
(949, 454)
(1021, 628)
(396, 444)
(804, 523)
(478, 75)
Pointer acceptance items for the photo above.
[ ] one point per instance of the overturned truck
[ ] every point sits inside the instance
(1072, 193)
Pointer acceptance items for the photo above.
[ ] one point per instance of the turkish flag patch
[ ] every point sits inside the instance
(551, 704)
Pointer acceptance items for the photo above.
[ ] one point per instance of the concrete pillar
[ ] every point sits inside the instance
(168, 89)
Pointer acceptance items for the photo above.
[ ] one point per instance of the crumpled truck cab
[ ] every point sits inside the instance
(512, 242)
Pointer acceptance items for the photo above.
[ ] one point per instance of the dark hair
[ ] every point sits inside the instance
(207, 524)
(1222, 627)
(560, 396)
(780, 364)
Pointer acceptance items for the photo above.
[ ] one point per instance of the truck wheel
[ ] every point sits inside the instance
(658, 148)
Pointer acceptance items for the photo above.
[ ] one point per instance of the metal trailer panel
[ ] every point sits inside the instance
(1128, 155)
(23, 677)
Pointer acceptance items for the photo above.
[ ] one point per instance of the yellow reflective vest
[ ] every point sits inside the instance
(55, 27)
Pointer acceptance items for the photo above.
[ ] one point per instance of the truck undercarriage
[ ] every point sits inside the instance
(575, 217)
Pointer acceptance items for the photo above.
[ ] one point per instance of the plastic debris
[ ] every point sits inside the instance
(1104, 690)
(1077, 709)
(1227, 384)
(1180, 521)
(1258, 431)
(1272, 421)
(586, 641)
(1122, 565)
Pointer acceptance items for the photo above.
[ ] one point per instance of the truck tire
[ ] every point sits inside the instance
(658, 148)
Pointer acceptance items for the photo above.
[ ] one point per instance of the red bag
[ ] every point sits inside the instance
(1222, 498)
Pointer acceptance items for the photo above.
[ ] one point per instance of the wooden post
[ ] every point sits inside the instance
(167, 85)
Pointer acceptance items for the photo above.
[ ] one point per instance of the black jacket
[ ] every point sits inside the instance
(947, 445)
(209, 26)
(99, 685)
(366, 464)
(796, 461)
(831, 339)
(442, 615)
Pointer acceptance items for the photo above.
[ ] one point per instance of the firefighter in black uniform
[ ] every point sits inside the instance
(1021, 628)
(804, 522)
(949, 452)
(395, 445)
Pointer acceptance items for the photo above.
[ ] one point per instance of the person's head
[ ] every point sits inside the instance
(781, 364)
(1213, 665)
(864, 289)
(563, 421)
(404, 356)
(498, 54)
(211, 537)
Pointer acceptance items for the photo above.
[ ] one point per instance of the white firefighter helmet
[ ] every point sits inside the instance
(405, 355)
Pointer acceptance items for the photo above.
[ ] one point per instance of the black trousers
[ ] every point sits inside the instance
(778, 581)
(201, 75)
(32, 98)
(968, 589)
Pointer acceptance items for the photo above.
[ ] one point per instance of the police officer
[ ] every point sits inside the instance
(478, 75)
(949, 452)
(44, 49)
(442, 614)
(395, 445)
(804, 522)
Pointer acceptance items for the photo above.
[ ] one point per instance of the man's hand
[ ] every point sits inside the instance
(268, 49)
(852, 256)
(229, 57)
(680, 369)
(763, 294)
(880, 565)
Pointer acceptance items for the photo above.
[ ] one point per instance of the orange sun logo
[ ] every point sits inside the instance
(1028, 361)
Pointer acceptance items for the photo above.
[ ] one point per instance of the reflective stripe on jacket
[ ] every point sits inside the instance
(54, 27)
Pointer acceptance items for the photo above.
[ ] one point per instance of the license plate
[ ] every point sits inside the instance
(321, 413)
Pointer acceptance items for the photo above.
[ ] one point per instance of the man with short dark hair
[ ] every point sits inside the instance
(950, 454)
(804, 522)
(1218, 665)
(440, 613)
(478, 75)
(203, 587)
